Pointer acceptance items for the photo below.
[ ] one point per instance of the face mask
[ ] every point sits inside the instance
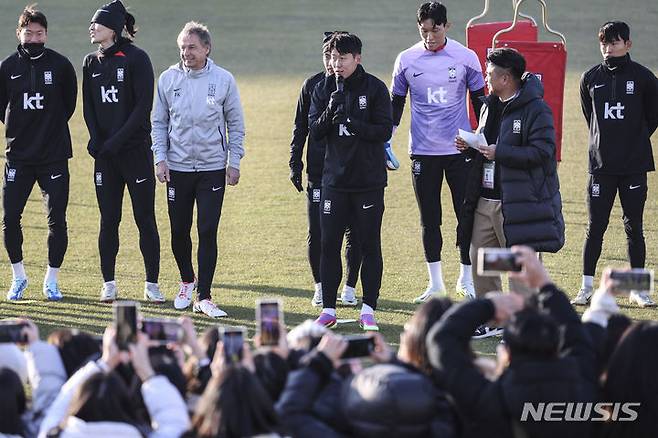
(33, 49)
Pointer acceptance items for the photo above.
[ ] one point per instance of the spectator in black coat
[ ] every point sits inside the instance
(542, 367)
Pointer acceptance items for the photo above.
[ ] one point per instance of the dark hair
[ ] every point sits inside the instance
(434, 11)
(272, 372)
(416, 330)
(76, 348)
(614, 30)
(631, 377)
(12, 403)
(165, 363)
(103, 397)
(509, 59)
(32, 15)
(617, 326)
(234, 404)
(197, 381)
(532, 334)
(346, 43)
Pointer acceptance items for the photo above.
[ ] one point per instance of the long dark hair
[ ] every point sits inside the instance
(234, 405)
(416, 330)
(12, 403)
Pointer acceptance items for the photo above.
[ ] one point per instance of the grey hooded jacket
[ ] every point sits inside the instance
(197, 119)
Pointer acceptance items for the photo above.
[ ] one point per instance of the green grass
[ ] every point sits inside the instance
(271, 47)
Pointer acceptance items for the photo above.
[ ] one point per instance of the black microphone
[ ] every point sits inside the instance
(340, 85)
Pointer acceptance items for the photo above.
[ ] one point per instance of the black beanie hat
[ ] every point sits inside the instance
(111, 15)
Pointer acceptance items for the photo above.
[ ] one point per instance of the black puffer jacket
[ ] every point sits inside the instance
(529, 185)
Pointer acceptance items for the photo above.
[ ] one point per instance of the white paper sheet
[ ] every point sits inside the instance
(473, 140)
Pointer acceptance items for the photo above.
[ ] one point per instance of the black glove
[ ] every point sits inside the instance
(296, 179)
(337, 98)
(339, 118)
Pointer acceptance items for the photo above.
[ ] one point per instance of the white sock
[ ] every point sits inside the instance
(465, 273)
(588, 282)
(436, 278)
(18, 271)
(318, 287)
(367, 310)
(51, 275)
(329, 311)
(111, 283)
(348, 289)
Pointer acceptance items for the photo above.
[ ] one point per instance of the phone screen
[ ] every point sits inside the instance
(493, 261)
(125, 319)
(358, 346)
(634, 280)
(162, 330)
(269, 322)
(11, 332)
(233, 339)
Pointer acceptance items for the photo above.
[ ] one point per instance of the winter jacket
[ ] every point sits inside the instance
(117, 91)
(197, 120)
(315, 150)
(354, 160)
(525, 157)
(164, 403)
(37, 99)
(620, 106)
(494, 409)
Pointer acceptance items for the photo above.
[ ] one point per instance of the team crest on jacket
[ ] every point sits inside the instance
(48, 77)
(99, 178)
(452, 74)
(316, 195)
(596, 191)
(119, 75)
(630, 87)
(363, 102)
(171, 193)
(327, 206)
(416, 167)
(211, 90)
(516, 127)
(11, 175)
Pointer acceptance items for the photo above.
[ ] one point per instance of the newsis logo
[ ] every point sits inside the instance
(563, 411)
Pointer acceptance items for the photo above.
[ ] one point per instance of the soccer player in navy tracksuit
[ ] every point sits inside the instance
(352, 111)
(38, 91)
(619, 98)
(117, 93)
(314, 166)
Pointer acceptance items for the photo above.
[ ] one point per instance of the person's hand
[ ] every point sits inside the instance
(218, 361)
(139, 357)
(336, 99)
(533, 273)
(382, 351)
(162, 171)
(190, 338)
(296, 179)
(232, 176)
(30, 331)
(339, 118)
(111, 355)
(281, 349)
(609, 284)
(461, 144)
(506, 305)
(333, 346)
(489, 152)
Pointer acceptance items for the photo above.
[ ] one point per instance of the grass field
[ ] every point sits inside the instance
(271, 47)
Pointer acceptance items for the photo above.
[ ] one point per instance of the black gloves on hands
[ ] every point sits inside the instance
(336, 100)
(296, 179)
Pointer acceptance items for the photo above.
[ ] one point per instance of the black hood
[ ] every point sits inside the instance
(531, 89)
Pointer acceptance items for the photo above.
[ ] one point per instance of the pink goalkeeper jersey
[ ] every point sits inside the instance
(437, 83)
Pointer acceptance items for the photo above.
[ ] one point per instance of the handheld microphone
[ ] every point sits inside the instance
(340, 86)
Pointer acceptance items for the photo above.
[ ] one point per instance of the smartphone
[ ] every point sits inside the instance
(495, 261)
(233, 339)
(11, 332)
(634, 279)
(358, 346)
(125, 320)
(163, 330)
(269, 317)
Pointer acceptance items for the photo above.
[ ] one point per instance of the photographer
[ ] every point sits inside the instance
(96, 402)
(547, 356)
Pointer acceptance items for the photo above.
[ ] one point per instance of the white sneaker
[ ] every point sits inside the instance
(184, 297)
(641, 298)
(108, 293)
(209, 308)
(316, 301)
(583, 296)
(153, 293)
(348, 297)
(466, 288)
(428, 294)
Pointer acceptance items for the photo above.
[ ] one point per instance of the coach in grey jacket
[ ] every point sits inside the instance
(198, 131)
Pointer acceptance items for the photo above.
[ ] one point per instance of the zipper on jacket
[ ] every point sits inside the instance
(614, 86)
(33, 79)
(219, 129)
